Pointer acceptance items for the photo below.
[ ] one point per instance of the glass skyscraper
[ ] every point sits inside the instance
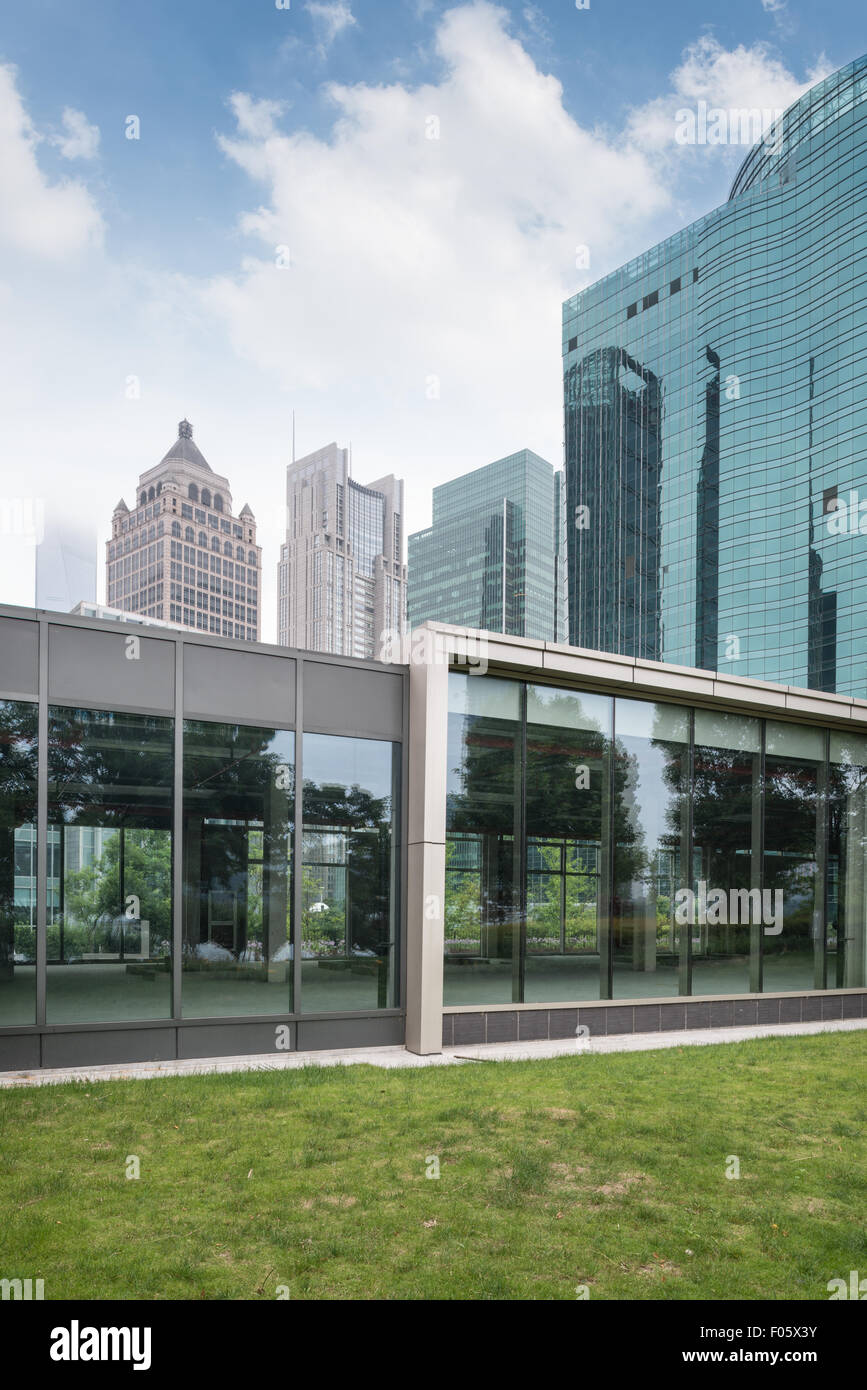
(715, 394)
(490, 557)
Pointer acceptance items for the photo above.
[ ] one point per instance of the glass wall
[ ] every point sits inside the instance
(650, 795)
(239, 789)
(109, 939)
(483, 894)
(18, 721)
(568, 748)
(350, 873)
(602, 847)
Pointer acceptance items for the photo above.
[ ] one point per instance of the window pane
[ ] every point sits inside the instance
(18, 723)
(651, 769)
(726, 823)
(110, 780)
(483, 848)
(239, 790)
(350, 873)
(568, 744)
(794, 777)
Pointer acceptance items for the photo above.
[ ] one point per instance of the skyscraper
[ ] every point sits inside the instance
(180, 554)
(489, 558)
(341, 577)
(716, 458)
(65, 560)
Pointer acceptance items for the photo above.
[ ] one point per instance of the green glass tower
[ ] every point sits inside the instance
(715, 394)
(490, 557)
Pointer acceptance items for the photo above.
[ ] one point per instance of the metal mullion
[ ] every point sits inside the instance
(42, 828)
(820, 901)
(297, 839)
(605, 898)
(178, 839)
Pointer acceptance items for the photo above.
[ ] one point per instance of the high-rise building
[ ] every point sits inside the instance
(341, 577)
(65, 560)
(180, 554)
(714, 389)
(489, 559)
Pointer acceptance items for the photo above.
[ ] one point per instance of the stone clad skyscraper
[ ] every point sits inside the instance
(341, 576)
(180, 554)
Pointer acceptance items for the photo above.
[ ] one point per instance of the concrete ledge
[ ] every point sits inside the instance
(397, 1057)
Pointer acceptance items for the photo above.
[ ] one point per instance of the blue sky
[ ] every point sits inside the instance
(419, 314)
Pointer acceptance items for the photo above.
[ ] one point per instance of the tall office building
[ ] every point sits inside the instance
(180, 554)
(341, 577)
(65, 560)
(489, 559)
(714, 389)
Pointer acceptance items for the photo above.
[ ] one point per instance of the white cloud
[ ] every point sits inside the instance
(54, 220)
(731, 79)
(330, 20)
(81, 140)
(416, 258)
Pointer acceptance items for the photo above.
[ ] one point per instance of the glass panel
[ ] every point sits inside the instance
(568, 742)
(350, 873)
(846, 939)
(483, 854)
(791, 899)
(110, 779)
(239, 798)
(18, 724)
(726, 823)
(651, 778)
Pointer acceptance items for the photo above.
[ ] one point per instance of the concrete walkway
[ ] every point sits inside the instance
(450, 1056)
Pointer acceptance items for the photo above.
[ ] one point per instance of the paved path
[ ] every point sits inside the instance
(399, 1057)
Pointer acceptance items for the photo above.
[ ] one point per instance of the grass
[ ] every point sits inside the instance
(603, 1171)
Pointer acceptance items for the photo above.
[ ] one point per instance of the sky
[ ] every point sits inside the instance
(368, 213)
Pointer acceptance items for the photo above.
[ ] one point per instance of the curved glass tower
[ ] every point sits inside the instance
(715, 396)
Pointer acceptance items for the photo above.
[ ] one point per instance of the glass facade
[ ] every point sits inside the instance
(18, 780)
(714, 389)
(111, 855)
(109, 939)
(350, 869)
(599, 847)
(489, 558)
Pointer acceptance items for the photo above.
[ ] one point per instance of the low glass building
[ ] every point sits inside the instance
(714, 390)
(210, 847)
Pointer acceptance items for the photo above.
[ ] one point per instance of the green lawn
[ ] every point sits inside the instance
(606, 1171)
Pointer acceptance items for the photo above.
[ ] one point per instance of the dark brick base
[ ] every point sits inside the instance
(606, 1020)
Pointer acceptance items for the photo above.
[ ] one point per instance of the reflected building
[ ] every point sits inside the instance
(713, 393)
